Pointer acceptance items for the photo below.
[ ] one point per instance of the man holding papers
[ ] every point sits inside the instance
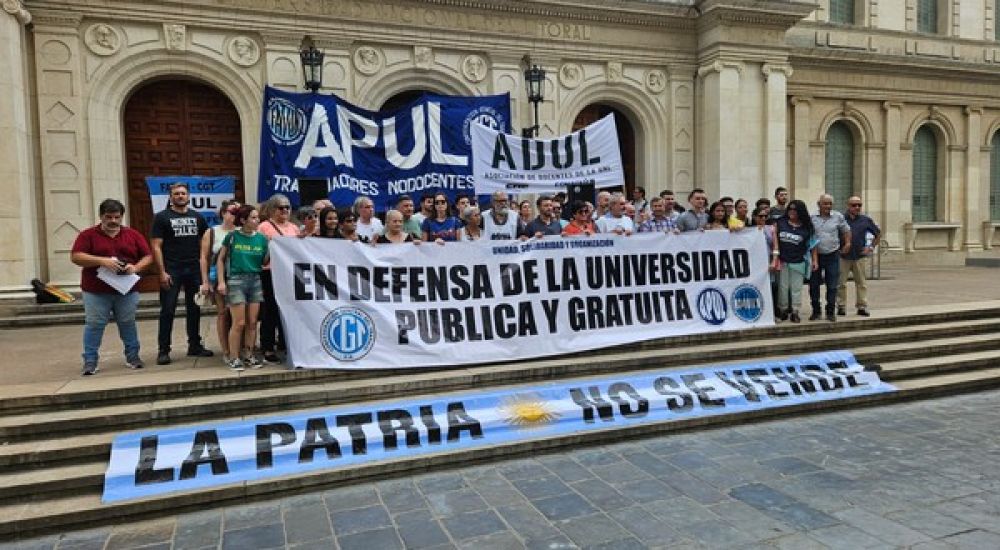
(111, 256)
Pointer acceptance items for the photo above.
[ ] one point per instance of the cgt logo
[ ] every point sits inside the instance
(712, 306)
(347, 334)
(748, 304)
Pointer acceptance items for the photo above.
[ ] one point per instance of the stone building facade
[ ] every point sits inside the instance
(894, 100)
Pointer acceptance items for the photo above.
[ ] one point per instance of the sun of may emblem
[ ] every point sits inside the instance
(527, 411)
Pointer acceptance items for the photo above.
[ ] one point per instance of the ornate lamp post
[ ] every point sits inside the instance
(312, 68)
(534, 81)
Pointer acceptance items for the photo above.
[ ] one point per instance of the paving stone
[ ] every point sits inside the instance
(629, 543)
(567, 469)
(346, 498)
(401, 496)
(455, 502)
(880, 527)
(504, 540)
(678, 511)
(307, 521)
(601, 494)
(542, 487)
(619, 473)
(528, 523)
(385, 538)
(254, 515)
(646, 490)
(803, 516)
(523, 469)
(134, 536)
(81, 540)
(440, 483)
(762, 497)
(716, 534)
(596, 457)
(564, 506)
(845, 536)
(645, 526)
(651, 464)
(694, 488)
(261, 536)
(198, 530)
(749, 520)
(930, 522)
(421, 534)
(555, 543)
(346, 522)
(790, 465)
(321, 544)
(473, 524)
(592, 529)
(691, 460)
(38, 543)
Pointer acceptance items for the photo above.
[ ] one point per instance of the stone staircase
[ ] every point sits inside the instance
(55, 445)
(21, 313)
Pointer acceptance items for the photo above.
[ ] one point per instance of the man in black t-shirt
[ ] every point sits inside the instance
(545, 223)
(176, 239)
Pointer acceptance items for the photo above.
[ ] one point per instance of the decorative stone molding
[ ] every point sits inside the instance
(719, 66)
(423, 56)
(243, 51)
(102, 39)
(655, 81)
(615, 71)
(368, 60)
(16, 8)
(570, 75)
(474, 68)
(770, 68)
(175, 36)
(801, 100)
(889, 105)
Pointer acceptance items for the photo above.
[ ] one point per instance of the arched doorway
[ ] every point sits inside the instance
(626, 137)
(401, 99)
(178, 127)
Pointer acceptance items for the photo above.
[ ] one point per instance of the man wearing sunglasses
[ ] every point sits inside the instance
(865, 235)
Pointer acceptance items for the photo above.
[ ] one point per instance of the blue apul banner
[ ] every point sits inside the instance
(156, 462)
(422, 147)
(206, 192)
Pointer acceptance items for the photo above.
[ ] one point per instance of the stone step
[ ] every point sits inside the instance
(44, 423)
(22, 519)
(94, 449)
(73, 315)
(32, 484)
(163, 385)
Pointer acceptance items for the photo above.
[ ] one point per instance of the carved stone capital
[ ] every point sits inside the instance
(16, 8)
(801, 100)
(889, 105)
(974, 110)
(719, 66)
(770, 68)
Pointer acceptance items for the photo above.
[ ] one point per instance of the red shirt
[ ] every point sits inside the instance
(128, 246)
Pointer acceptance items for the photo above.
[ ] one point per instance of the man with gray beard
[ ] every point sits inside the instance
(498, 224)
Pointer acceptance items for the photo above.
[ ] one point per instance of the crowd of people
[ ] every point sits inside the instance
(228, 264)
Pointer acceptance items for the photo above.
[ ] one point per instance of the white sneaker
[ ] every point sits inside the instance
(235, 364)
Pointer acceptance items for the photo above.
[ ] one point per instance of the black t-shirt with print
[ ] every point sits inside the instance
(181, 234)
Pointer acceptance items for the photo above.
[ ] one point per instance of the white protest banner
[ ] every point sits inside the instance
(356, 306)
(503, 162)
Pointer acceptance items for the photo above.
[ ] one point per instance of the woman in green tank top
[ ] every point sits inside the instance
(244, 251)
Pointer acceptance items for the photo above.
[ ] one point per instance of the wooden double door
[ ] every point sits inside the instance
(178, 128)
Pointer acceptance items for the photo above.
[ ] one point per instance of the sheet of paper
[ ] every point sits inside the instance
(122, 283)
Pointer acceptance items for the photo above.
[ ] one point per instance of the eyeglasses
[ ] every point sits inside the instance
(854, 204)
(440, 202)
(285, 207)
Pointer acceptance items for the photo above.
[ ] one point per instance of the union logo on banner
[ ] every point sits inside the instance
(347, 334)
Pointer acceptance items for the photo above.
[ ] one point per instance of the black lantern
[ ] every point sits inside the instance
(534, 82)
(312, 68)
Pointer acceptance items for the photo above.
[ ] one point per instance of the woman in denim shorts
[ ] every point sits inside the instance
(241, 259)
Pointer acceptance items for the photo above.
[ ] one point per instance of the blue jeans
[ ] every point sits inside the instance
(98, 309)
(828, 274)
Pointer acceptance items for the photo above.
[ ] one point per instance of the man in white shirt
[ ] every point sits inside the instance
(369, 227)
(498, 223)
(616, 221)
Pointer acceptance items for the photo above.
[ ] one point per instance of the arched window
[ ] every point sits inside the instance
(925, 175)
(995, 179)
(842, 11)
(839, 162)
(927, 16)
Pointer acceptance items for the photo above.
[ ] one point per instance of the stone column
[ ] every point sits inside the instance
(719, 113)
(893, 187)
(775, 126)
(972, 217)
(19, 250)
(801, 153)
